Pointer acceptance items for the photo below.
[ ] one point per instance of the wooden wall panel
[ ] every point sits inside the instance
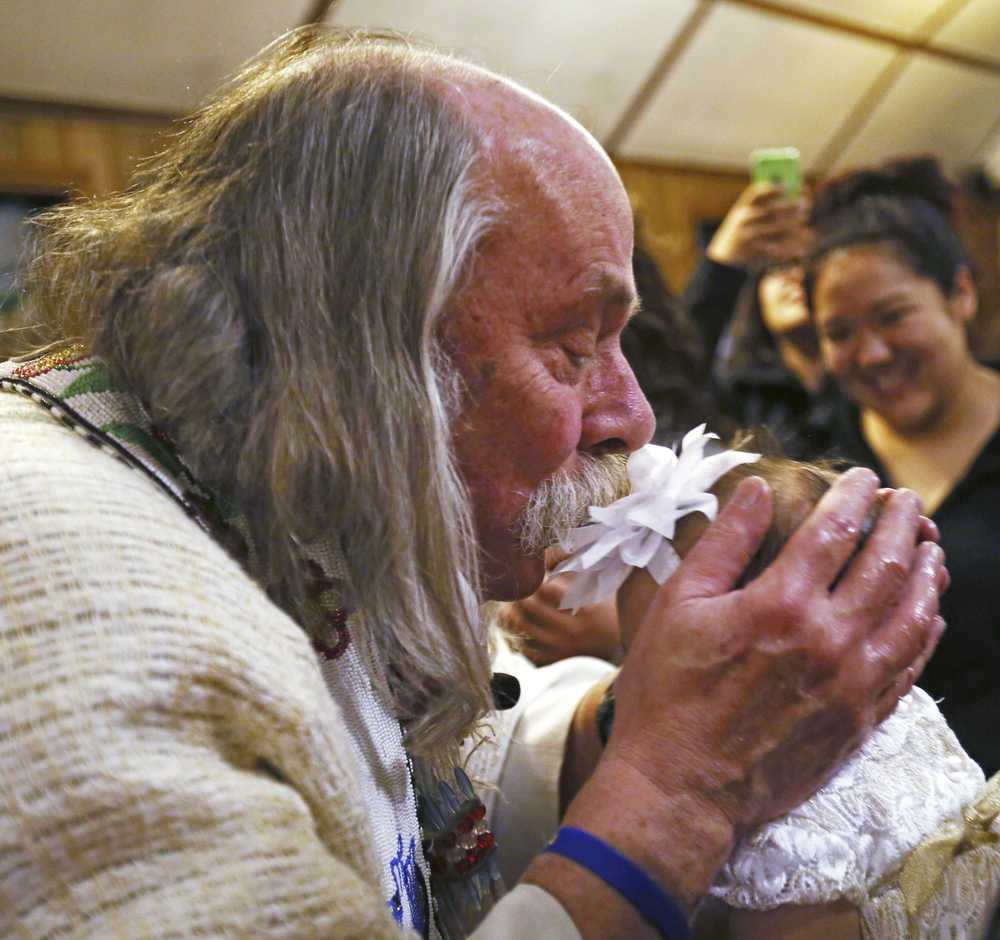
(45, 152)
(670, 202)
(55, 153)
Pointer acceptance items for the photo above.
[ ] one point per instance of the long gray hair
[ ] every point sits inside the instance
(271, 290)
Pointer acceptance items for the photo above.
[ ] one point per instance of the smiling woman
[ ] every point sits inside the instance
(897, 343)
(892, 298)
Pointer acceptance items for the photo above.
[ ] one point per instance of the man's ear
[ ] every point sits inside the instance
(964, 299)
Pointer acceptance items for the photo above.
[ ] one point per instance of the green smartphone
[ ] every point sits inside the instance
(778, 165)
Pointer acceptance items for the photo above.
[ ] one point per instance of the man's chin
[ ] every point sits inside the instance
(513, 581)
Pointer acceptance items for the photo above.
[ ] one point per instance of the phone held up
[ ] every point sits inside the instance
(781, 165)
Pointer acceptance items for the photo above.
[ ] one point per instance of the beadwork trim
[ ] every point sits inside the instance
(62, 357)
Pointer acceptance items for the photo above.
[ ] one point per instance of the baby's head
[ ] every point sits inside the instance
(796, 488)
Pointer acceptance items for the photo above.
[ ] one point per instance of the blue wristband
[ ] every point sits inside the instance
(627, 878)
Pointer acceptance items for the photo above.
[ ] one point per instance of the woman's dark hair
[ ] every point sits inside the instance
(746, 343)
(907, 203)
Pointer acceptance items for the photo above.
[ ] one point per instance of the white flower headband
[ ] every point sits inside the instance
(636, 530)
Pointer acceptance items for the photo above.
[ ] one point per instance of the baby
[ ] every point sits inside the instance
(849, 862)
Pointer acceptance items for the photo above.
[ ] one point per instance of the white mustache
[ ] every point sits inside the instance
(561, 503)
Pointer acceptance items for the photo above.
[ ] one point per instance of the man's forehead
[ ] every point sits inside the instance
(511, 120)
(564, 227)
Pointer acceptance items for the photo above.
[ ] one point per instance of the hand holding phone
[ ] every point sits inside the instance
(780, 165)
(765, 225)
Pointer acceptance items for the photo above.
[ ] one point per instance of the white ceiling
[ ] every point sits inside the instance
(744, 63)
(673, 81)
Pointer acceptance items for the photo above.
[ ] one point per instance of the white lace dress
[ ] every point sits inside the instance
(851, 839)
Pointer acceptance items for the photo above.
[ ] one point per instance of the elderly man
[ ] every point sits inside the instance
(348, 357)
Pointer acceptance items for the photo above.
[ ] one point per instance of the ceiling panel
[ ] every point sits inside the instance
(746, 78)
(901, 17)
(751, 79)
(588, 56)
(975, 29)
(936, 106)
(144, 54)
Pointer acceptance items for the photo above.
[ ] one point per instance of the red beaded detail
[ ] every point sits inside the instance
(62, 357)
(336, 620)
(464, 846)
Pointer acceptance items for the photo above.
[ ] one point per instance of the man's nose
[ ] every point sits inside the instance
(617, 417)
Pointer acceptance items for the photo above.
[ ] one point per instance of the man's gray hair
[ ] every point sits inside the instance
(272, 290)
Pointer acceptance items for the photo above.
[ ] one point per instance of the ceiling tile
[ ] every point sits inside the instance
(751, 79)
(975, 29)
(143, 54)
(748, 78)
(588, 56)
(936, 106)
(895, 16)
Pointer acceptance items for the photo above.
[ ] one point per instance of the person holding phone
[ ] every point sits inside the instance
(747, 297)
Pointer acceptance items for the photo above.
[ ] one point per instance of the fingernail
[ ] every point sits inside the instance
(861, 476)
(859, 473)
(934, 552)
(912, 495)
(748, 492)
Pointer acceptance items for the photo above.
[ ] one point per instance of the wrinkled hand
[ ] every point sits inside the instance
(733, 706)
(547, 634)
(762, 226)
(753, 698)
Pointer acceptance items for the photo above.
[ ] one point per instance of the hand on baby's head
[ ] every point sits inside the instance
(673, 495)
(796, 488)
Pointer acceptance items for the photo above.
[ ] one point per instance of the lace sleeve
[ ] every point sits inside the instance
(908, 776)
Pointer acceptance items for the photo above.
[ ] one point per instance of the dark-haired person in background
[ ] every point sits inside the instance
(767, 370)
(893, 298)
(761, 228)
(747, 298)
(666, 350)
